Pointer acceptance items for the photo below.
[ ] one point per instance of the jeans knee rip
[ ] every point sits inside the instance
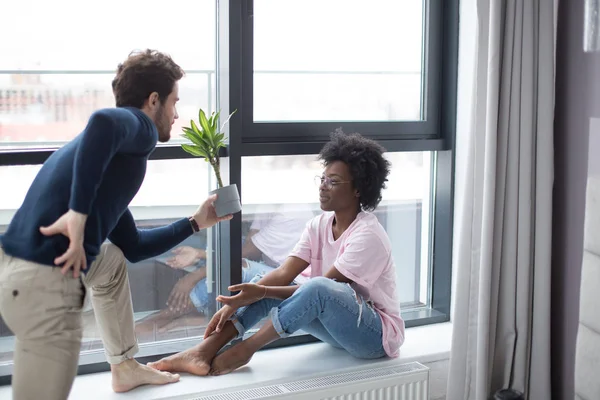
(360, 301)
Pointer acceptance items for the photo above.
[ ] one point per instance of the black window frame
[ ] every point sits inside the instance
(247, 138)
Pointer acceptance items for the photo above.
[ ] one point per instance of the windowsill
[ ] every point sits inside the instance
(424, 344)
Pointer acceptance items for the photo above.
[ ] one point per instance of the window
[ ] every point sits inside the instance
(384, 68)
(297, 75)
(172, 189)
(52, 78)
(341, 68)
(372, 66)
(280, 197)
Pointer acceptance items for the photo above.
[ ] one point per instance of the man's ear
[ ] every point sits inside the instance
(153, 101)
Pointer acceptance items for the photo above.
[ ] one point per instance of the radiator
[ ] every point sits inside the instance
(401, 382)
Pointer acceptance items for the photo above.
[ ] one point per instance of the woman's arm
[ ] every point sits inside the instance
(252, 292)
(336, 275)
(276, 282)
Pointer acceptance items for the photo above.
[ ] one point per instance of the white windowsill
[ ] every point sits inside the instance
(424, 344)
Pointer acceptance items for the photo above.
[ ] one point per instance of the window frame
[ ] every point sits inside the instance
(285, 132)
(247, 139)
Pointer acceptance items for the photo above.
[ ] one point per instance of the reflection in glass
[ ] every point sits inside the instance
(172, 189)
(51, 109)
(591, 27)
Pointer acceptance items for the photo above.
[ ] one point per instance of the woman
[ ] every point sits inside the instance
(350, 299)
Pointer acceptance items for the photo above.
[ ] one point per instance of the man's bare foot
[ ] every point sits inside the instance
(235, 357)
(131, 374)
(192, 361)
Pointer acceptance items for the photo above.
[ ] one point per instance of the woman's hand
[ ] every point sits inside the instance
(218, 320)
(248, 293)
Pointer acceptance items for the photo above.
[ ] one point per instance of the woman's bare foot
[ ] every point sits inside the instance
(131, 374)
(197, 360)
(235, 357)
(241, 353)
(192, 361)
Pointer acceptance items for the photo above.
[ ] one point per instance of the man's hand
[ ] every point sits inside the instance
(218, 320)
(185, 256)
(72, 225)
(248, 293)
(206, 216)
(179, 298)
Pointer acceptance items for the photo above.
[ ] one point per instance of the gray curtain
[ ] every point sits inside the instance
(504, 164)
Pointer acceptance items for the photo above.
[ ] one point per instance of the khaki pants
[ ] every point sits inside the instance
(43, 309)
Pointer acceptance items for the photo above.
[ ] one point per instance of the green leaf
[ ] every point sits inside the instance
(210, 134)
(195, 128)
(215, 120)
(220, 137)
(196, 138)
(190, 131)
(195, 151)
(209, 119)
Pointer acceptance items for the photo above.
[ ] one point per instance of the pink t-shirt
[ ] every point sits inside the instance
(362, 254)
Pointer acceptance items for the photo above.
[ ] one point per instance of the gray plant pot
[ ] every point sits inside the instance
(228, 200)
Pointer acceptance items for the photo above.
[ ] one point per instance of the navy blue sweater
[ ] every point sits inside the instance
(98, 173)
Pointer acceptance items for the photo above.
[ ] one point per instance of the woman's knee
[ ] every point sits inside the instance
(321, 285)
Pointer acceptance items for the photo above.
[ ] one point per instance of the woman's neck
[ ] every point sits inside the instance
(343, 219)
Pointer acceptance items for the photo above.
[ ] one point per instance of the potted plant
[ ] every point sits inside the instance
(206, 139)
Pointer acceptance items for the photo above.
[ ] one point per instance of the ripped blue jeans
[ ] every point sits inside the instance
(329, 310)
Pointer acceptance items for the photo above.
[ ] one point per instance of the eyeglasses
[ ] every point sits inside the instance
(327, 182)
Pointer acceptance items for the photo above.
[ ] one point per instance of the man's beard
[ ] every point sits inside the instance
(162, 126)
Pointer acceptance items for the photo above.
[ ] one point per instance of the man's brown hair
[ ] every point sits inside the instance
(143, 73)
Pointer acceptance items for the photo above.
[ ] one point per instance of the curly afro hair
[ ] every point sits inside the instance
(365, 159)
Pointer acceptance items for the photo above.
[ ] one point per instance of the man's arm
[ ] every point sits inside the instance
(140, 244)
(107, 132)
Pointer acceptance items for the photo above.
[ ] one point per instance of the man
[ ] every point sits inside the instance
(79, 199)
